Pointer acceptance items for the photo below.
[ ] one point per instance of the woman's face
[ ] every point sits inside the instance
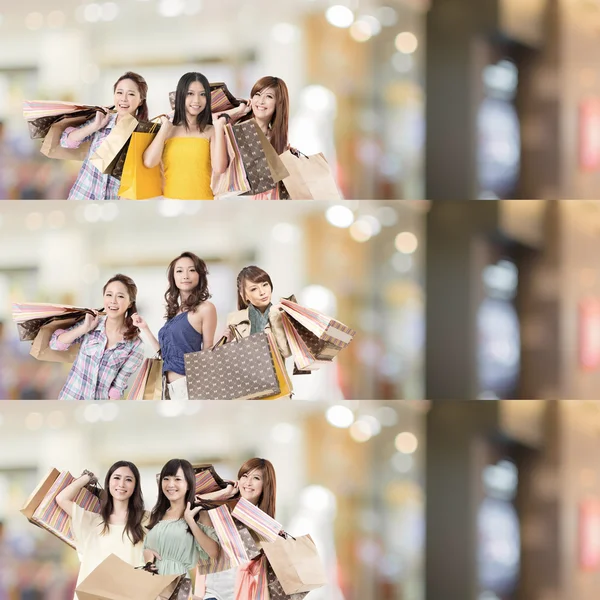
(263, 104)
(122, 484)
(185, 274)
(257, 294)
(251, 485)
(127, 97)
(195, 99)
(116, 300)
(175, 487)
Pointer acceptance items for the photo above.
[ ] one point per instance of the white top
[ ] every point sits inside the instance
(93, 547)
(221, 585)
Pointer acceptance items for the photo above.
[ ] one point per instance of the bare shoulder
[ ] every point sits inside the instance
(203, 311)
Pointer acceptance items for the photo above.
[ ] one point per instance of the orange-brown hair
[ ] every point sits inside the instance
(131, 331)
(266, 502)
(141, 114)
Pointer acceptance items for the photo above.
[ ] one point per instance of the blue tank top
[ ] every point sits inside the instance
(176, 338)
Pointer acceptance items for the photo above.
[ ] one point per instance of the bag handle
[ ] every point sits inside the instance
(224, 340)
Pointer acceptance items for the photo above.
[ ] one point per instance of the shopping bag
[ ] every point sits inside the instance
(40, 348)
(275, 590)
(310, 177)
(32, 316)
(296, 563)
(229, 538)
(303, 359)
(51, 145)
(242, 369)
(251, 581)
(114, 579)
(283, 377)
(276, 166)
(260, 522)
(47, 514)
(220, 98)
(207, 479)
(233, 181)
(147, 384)
(108, 151)
(138, 182)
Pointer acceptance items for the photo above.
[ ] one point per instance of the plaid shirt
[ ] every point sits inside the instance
(99, 373)
(91, 184)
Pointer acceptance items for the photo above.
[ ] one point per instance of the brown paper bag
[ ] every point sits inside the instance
(41, 350)
(108, 151)
(36, 497)
(153, 389)
(276, 166)
(114, 579)
(51, 145)
(310, 178)
(296, 563)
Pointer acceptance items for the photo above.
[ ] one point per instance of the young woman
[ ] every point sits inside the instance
(130, 92)
(270, 106)
(255, 312)
(178, 535)
(191, 320)
(118, 529)
(111, 349)
(257, 484)
(190, 148)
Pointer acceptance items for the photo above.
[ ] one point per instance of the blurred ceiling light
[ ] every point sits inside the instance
(360, 31)
(339, 16)
(90, 73)
(387, 416)
(319, 298)
(192, 408)
(406, 242)
(403, 63)
(90, 274)
(286, 233)
(387, 216)
(360, 431)
(56, 219)
(406, 42)
(285, 33)
(360, 231)
(318, 98)
(387, 16)
(372, 423)
(171, 208)
(56, 419)
(92, 13)
(284, 433)
(372, 23)
(34, 421)
(339, 216)
(318, 498)
(109, 11)
(56, 19)
(171, 8)
(406, 442)
(34, 221)
(110, 411)
(192, 7)
(402, 263)
(92, 413)
(34, 20)
(191, 208)
(109, 211)
(91, 213)
(340, 416)
(402, 463)
(170, 409)
(373, 223)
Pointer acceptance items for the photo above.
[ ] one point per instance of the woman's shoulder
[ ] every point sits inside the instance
(238, 316)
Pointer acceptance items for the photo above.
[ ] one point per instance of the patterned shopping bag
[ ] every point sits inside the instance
(267, 528)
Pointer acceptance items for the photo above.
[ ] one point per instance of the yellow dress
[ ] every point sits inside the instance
(187, 169)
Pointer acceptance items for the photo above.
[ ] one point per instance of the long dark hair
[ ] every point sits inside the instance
(141, 113)
(253, 274)
(163, 503)
(205, 117)
(135, 506)
(131, 331)
(266, 502)
(198, 295)
(279, 124)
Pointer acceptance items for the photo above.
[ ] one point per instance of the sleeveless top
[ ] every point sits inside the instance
(187, 169)
(176, 338)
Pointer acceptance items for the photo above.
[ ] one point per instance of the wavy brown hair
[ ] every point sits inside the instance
(135, 506)
(266, 502)
(253, 274)
(131, 331)
(141, 113)
(279, 123)
(198, 295)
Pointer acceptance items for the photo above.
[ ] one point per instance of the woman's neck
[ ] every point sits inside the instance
(183, 298)
(120, 509)
(192, 123)
(263, 124)
(176, 509)
(115, 324)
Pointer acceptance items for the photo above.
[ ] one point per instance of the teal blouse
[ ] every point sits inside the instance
(177, 547)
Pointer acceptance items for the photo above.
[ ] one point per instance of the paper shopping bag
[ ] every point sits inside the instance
(303, 358)
(260, 522)
(233, 181)
(40, 348)
(276, 166)
(283, 377)
(147, 384)
(276, 591)
(51, 145)
(310, 177)
(229, 538)
(296, 564)
(114, 579)
(251, 581)
(138, 182)
(108, 151)
(207, 479)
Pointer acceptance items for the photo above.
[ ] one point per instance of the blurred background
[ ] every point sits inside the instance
(406, 98)
(406, 500)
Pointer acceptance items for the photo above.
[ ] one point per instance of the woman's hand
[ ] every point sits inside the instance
(138, 321)
(165, 125)
(190, 513)
(90, 322)
(100, 120)
(151, 556)
(223, 494)
(244, 108)
(93, 480)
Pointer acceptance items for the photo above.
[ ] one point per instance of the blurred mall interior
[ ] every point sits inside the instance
(415, 100)
(406, 500)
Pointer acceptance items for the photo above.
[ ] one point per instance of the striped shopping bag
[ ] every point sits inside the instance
(260, 522)
(303, 358)
(251, 582)
(231, 542)
(233, 181)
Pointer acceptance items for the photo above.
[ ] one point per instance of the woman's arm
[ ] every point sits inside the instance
(204, 321)
(72, 137)
(219, 159)
(153, 154)
(62, 339)
(131, 365)
(238, 112)
(65, 497)
(145, 332)
(209, 545)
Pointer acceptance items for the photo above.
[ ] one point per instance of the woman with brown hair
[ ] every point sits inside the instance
(118, 529)
(130, 93)
(191, 320)
(111, 349)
